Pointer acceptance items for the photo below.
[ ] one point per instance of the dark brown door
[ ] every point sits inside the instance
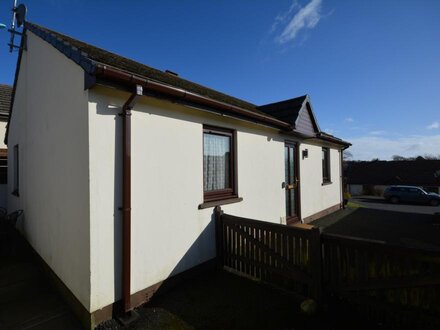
(291, 182)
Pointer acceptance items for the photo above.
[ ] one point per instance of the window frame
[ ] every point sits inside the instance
(16, 173)
(221, 194)
(326, 165)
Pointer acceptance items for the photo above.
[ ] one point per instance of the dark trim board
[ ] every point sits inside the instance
(322, 213)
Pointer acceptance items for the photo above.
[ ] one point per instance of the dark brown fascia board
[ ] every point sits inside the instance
(298, 135)
(105, 72)
(337, 141)
(317, 138)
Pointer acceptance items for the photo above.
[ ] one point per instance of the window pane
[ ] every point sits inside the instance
(216, 162)
(325, 164)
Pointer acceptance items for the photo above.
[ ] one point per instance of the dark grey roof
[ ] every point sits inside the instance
(5, 100)
(287, 110)
(100, 55)
(403, 172)
(88, 56)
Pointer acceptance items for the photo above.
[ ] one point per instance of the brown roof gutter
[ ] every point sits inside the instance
(318, 137)
(327, 138)
(113, 74)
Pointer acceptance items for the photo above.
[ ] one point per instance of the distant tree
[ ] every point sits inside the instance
(375, 160)
(347, 156)
(419, 158)
(397, 157)
(431, 157)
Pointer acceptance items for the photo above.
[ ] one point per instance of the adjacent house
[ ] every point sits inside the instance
(373, 177)
(5, 105)
(118, 167)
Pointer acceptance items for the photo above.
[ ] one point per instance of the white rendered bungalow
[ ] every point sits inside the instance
(107, 150)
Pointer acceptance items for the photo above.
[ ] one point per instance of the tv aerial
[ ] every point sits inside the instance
(18, 19)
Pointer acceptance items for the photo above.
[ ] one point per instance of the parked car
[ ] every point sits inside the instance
(409, 194)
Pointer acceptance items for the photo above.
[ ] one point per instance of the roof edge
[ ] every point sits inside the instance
(129, 79)
(93, 68)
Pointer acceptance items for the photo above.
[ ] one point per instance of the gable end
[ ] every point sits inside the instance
(305, 122)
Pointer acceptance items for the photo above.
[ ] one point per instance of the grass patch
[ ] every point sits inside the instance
(353, 205)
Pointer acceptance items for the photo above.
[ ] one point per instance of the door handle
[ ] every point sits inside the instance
(289, 186)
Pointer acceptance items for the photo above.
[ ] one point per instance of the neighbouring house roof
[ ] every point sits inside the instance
(104, 66)
(5, 101)
(411, 172)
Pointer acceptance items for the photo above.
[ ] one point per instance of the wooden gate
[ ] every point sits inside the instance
(273, 253)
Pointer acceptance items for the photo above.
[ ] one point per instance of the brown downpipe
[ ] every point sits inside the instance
(113, 74)
(126, 197)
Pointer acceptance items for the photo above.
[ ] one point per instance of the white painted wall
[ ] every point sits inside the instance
(169, 233)
(315, 196)
(49, 122)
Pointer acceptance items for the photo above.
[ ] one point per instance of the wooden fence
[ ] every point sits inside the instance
(273, 253)
(394, 282)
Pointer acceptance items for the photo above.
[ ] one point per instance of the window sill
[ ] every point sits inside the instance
(209, 204)
(326, 183)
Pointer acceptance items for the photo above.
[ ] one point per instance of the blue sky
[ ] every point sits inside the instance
(371, 67)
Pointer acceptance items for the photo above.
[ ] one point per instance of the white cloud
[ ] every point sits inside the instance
(434, 125)
(349, 120)
(282, 17)
(369, 147)
(377, 132)
(307, 17)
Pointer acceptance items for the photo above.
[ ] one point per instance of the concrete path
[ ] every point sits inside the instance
(27, 301)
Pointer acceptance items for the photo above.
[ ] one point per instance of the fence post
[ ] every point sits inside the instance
(316, 263)
(218, 213)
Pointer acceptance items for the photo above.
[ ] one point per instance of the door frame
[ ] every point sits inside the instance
(295, 219)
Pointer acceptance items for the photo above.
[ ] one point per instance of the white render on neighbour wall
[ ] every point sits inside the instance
(49, 123)
(2, 134)
(71, 178)
(3, 187)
